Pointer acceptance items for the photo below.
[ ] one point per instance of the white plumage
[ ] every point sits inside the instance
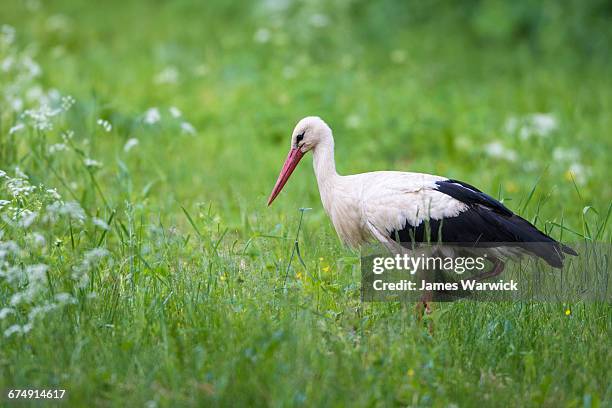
(372, 205)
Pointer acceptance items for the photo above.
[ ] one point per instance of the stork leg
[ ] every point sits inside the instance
(426, 296)
(498, 267)
(424, 305)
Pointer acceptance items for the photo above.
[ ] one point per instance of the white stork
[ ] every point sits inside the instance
(387, 205)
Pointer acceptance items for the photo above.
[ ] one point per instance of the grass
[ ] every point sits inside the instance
(172, 274)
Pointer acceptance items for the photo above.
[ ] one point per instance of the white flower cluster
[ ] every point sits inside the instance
(153, 116)
(36, 220)
(536, 124)
(29, 213)
(541, 125)
(497, 150)
(105, 125)
(80, 273)
(18, 186)
(168, 75)
(20, 94)
(568, 160)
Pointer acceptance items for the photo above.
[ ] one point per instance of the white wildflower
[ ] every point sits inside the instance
(14, 329)
(19, 173)
(4, 203)
(4, 312)
(543, 123)
(41, 310)
(57, 147)
(262, 35)
(8, 248)
(37, 272)
(64, 298)
(19, 186)
(16, 104)
(578, 173)
(168, 75)
(91, 163)
(71, 209)
(100, 223)
(563, 154)
(151, 404)
(67, 102)
(20, 218)
(41, 118)
(105, 124)
(275, 6)
(175, 112)
(187, 128)
(93, 256)
(54, 97)
(36, 278)
(66, 136)
(7, 64)
(53, 193)
(130, 144)
(7, 34)
(30, 68)
(152, 116)
(58, 22)
(91, 259)
(498, 151)
(537, 124)
(27, 218)
(36, 239)
(16, 128)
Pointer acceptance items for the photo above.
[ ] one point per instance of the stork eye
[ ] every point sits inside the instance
(299, 138)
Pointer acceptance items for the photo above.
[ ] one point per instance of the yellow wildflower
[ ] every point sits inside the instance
(511, 187)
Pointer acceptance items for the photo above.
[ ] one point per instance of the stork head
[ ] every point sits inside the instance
(307, 134)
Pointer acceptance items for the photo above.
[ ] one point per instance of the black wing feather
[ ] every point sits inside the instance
(471, 195)
(486, 220)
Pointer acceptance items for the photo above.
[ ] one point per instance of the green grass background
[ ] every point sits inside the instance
(194, 307)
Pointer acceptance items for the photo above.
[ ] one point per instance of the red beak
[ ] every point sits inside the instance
(291, 162)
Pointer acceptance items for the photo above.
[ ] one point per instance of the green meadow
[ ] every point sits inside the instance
(139, 140)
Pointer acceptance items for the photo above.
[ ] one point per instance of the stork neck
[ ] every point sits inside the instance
(324, 163)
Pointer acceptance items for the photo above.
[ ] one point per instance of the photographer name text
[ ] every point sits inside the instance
(468, 285)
